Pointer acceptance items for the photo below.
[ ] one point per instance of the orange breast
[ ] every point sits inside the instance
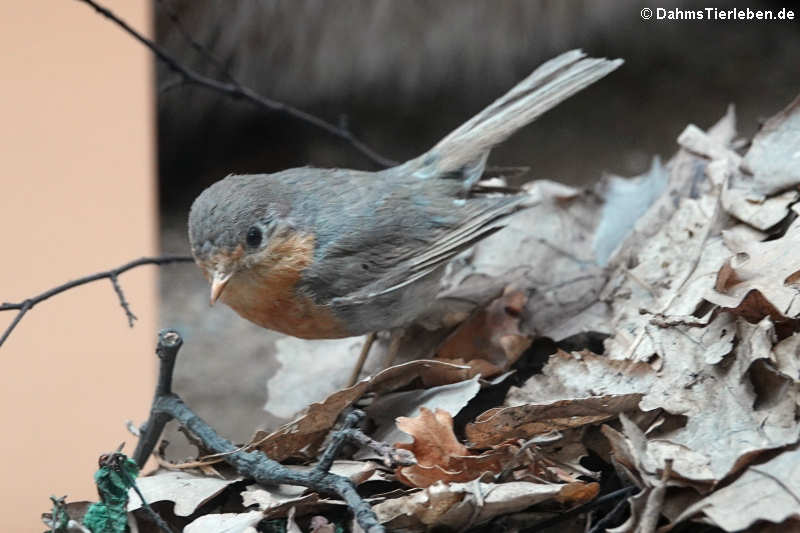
(266, 293)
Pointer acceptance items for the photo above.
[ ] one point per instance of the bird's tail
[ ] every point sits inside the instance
(464, 151)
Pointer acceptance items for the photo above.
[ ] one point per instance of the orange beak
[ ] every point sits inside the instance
(218, 283)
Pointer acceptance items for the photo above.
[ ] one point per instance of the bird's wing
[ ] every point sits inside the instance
(486, 217)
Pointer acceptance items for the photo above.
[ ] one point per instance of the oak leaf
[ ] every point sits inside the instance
(440, 456)
(762, 279)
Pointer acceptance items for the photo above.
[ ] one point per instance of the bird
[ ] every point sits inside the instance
(325, 253)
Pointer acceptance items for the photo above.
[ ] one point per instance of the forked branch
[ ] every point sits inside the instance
(112, 275)
(253, 464)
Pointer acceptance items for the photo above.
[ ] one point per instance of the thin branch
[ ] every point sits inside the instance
(23, 308)
(169, 342)
(198, 47)
(392, 457)
(113, 274)
(255, 465)
(122, 301)
(238, 91)
(154, 516)
(338, 439)
(169, 85)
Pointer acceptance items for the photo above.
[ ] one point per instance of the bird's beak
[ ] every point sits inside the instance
(218, 283)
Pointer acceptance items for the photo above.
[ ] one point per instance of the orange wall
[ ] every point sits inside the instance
(77, 196)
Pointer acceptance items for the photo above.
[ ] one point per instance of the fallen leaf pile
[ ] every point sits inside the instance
(643, 333)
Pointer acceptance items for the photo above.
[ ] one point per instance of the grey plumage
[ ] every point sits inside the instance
(380, 239)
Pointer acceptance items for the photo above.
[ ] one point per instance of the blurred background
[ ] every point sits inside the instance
(104, 151)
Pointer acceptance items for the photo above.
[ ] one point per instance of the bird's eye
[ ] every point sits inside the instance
(253, 237)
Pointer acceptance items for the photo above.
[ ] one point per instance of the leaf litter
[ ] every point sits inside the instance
(671, 303)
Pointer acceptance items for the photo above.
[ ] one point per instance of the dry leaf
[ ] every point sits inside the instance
(580, 375)
(478, 367)
(490, 334)
(302, 437)
(646, 459)
(434, 440)
(740, 235)
(187, 490)
(573, 390)
(459, 468)
(384, 410)
(663, 270)
(325, 363)
(712, 147)
(762, 279)
(674, 269)
(578, 492)
(501, 424)
(684, 181)
(786, 356)
(224, 523)
(719, 400)
(291, 525)
(768, 491)
(457, 506)
(275, 502)
(772, 158)
(328, 363)
(440, 456)
(761, 213)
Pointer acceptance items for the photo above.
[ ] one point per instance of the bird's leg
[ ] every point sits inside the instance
(362, 358)
(394, 347)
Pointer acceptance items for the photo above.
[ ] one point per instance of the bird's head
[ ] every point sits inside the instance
(230, 230)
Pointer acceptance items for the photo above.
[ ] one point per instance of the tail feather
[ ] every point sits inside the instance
(465, 149)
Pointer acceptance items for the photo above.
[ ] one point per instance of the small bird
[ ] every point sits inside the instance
(328, 253)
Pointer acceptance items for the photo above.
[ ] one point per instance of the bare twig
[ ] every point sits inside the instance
(362, 358)
(112, 275)
(253, 464)
(549, 437)
(122, 301)
(198, 47)
(392, 456)
(236, 90)
(338, 440)
(154, 516)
